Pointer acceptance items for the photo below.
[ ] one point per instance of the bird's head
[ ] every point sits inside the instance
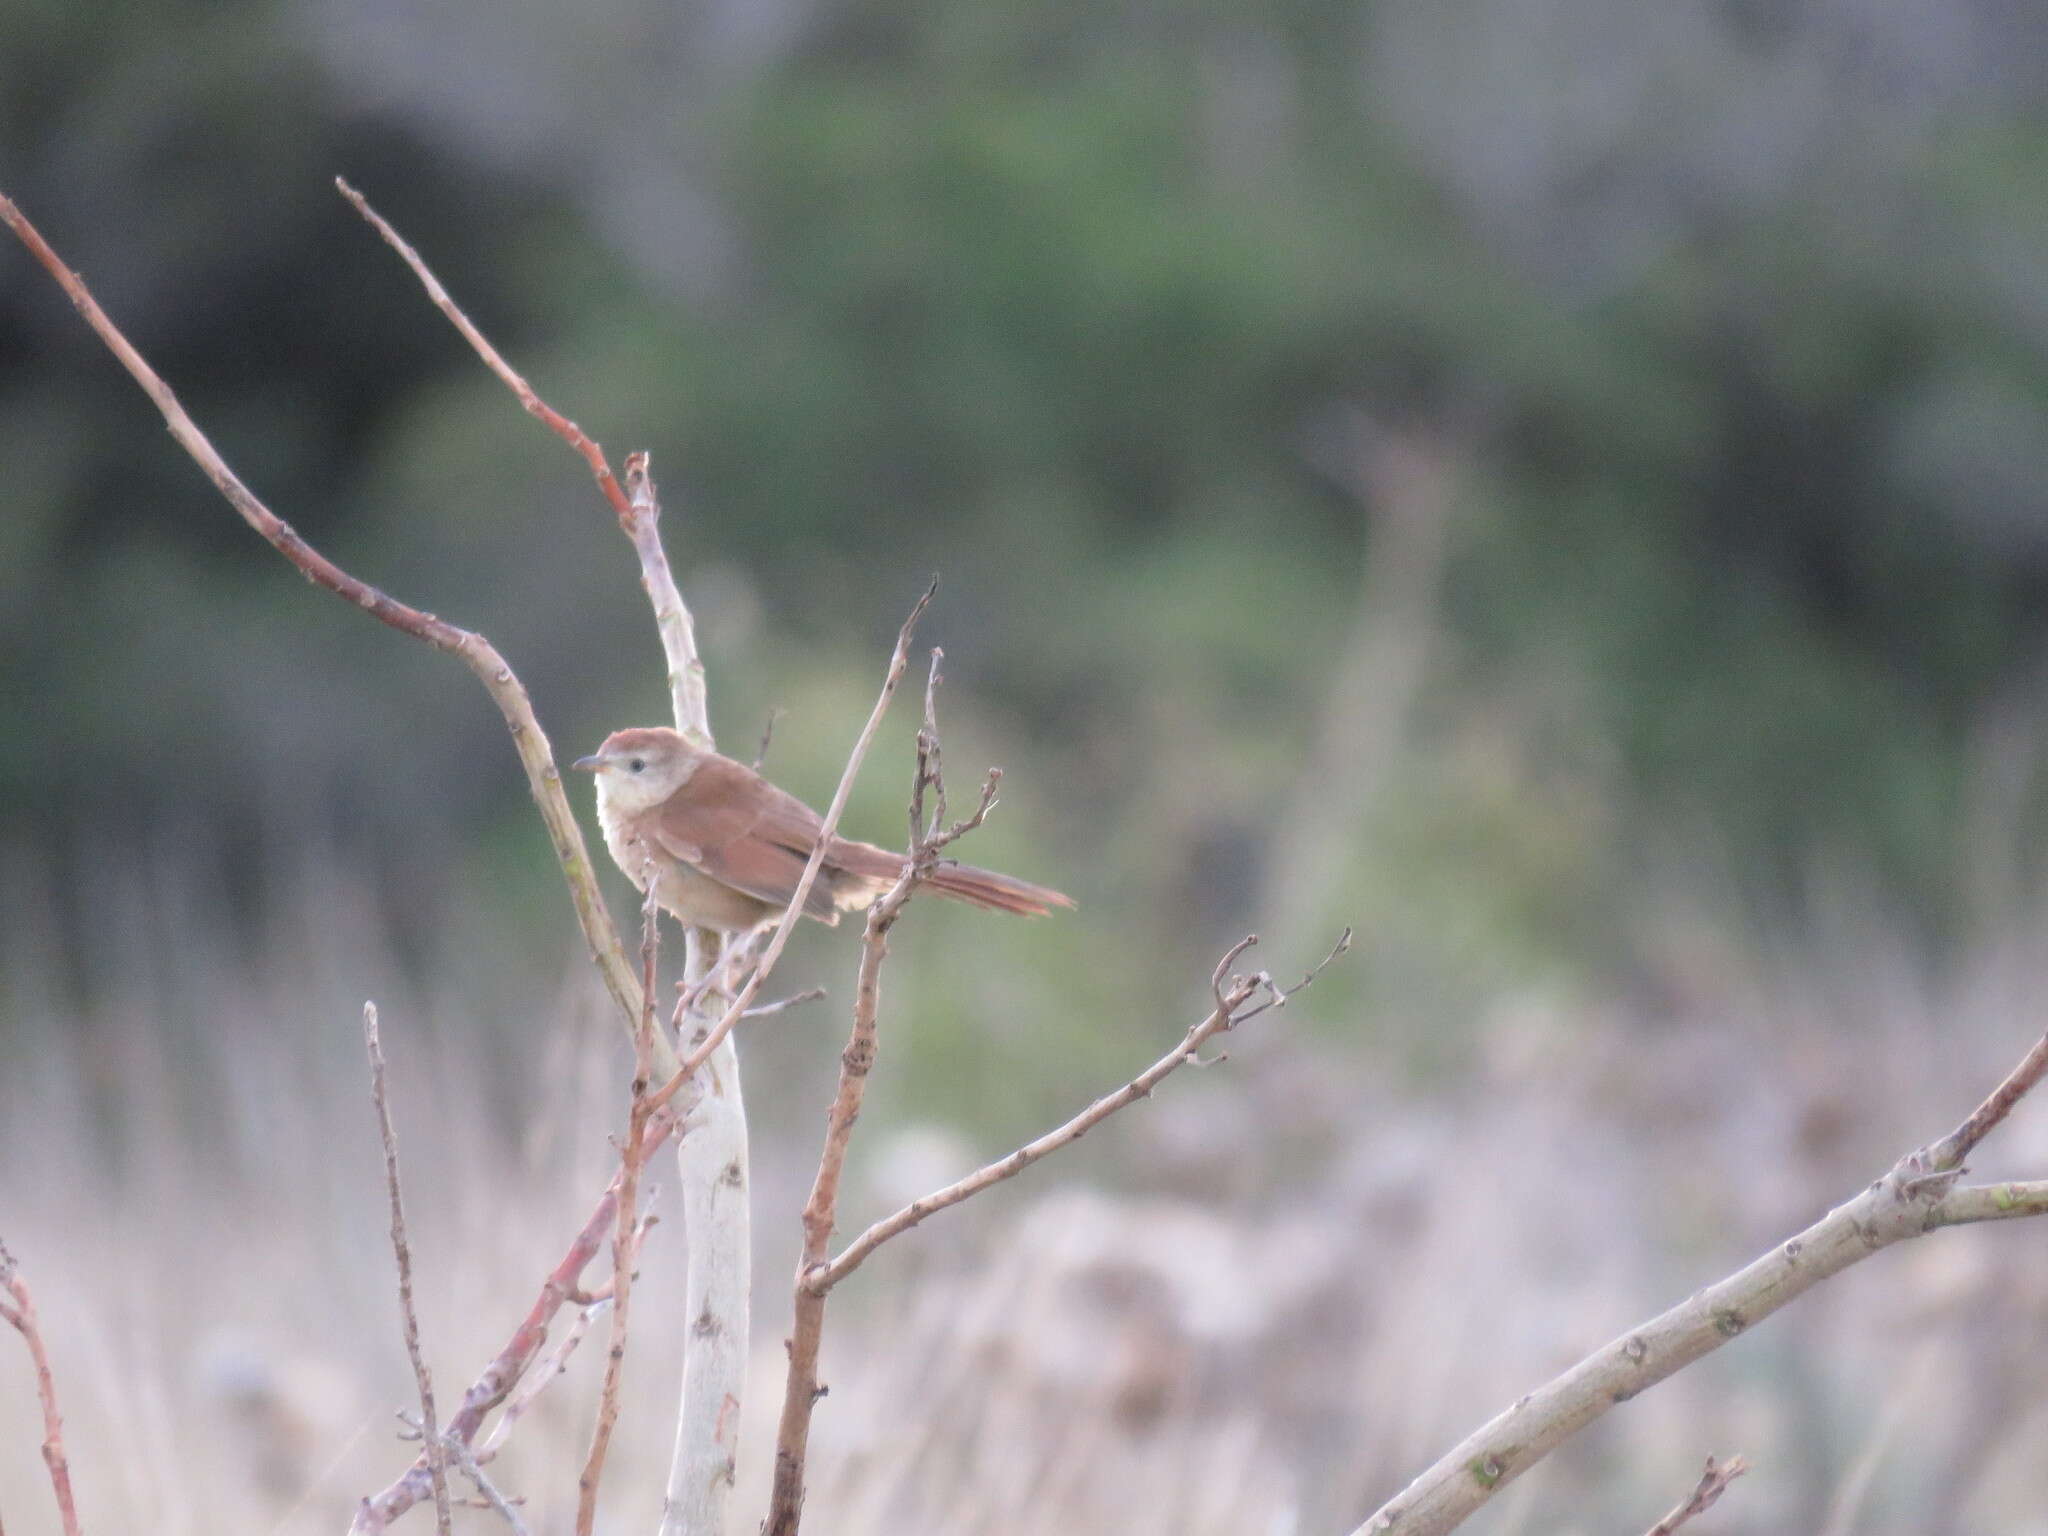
(638, 769)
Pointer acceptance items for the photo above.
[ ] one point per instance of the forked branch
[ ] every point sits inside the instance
(1236, 998)
(1918, 1194)
(491, 669)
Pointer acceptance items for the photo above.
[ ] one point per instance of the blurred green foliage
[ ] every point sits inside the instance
(1745, 556)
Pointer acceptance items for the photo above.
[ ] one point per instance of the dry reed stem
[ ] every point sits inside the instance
(1712, 1484)
(1918, 1194)
(430, 1429)
(491, 669)
(19, 1313)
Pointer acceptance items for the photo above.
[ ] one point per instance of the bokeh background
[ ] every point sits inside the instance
(1558, 488)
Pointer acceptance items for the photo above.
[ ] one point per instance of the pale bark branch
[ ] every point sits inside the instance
(1916, 1195)
(19, 1313)
(712, 1158)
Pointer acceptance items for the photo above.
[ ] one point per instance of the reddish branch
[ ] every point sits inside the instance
(498, 1378)
(553, 419)
(19, 1313)
(801, 1390)
(1947, 1154)
(625, 1229)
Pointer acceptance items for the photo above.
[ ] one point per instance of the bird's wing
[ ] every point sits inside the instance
(744, 832)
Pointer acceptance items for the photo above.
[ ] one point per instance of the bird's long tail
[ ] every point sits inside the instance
(878, 869)
(999, 893)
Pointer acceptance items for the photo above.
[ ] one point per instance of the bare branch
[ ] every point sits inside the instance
(801, 1390)
(672, 621)
(930, 771)
(1231, 994)
(436, 1456)
(762, 1010)
(1712, 1484)
(557, 423)
(816, 1271)
(544, 1374)
(19, 1313)
(1948, 1153)
(1916, 1195)
(1277, 995)
(491, 669)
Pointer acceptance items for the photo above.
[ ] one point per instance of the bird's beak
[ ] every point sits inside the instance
(589, 764)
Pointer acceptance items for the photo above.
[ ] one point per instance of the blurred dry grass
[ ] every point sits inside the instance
(1263, 1301)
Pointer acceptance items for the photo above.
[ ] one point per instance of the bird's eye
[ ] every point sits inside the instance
(637, 764)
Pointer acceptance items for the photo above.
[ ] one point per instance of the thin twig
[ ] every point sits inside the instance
(795, 999)
(898, 659)
(625, 1228)
(930, 765)
(555, 421)
(1712, 1484)
(544, 1374)
(467, 1464)
(20, 1315)
(1948, 1154)
(430, 1430)
(1918, 1194)
(1231, 994)
(482, 658)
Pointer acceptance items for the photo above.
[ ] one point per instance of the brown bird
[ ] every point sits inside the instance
(728, 848)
